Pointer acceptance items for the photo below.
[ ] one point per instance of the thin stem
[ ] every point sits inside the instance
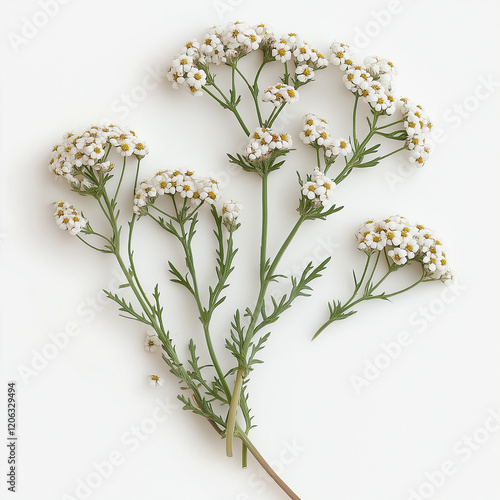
(147, 308)
(223, 104)
(120, 181)
(103, 250)
(163, 212)
(227, 104)
(263, 241)
(256, 80)
(286, 77)
(250, 332)
(253, 450)
(233, 408)
(253, 92)
(205, 322)
(318, 159)
(279, 110)
(394, 152)
(354, 113)
(390, 125)
(374, 268)
(359, 151)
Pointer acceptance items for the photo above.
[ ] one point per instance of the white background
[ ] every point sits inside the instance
(81, 406)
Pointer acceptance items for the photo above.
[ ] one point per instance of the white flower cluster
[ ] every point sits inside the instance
(318, 189)
(316, 133)
(185, 70)
(152, 342)
(263, 142)
(372, 81)
(418, 127)
(89, 150)
(403, 242)
(181, 182)
(279, 94)
(220, 45)
(231, 211)
(68, 218)
(305, 58)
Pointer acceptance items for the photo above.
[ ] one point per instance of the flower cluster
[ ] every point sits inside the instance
(68, 218)
(306, 59)
(403, 242)
(316, 133)
(182, 182)
(220, 45)
(280, 94)
(89, 151)
(227, 44)
(418, 126)
(264, 142)
(231, 211)
(371, 81)
(318, 188)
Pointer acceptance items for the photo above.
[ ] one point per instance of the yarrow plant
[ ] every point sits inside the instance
(174, 197)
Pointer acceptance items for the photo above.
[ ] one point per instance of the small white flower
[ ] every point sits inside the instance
(152, 342)
(375, 241)
(304, 73)
(196, 78)
(155, 380)
(398, 256)
(282, 51)
(303, 53)
(338, 147)
(410, 244)
(419, 155)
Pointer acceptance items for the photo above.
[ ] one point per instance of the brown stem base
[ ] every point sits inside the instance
(266, 466)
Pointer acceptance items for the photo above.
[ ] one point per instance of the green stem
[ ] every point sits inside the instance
(253, 92)
(129, 245)
(390, 125)
(354, 113)
(263, 241)
(231, 418)
(253, 450)
(256, 80)
(227, 104)
(120, 181)
(318, 159)
(103, 250)
(277, 113)
(249, 335)
(206, 323)
(393, 153)
(359, 151)
(147, 308)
